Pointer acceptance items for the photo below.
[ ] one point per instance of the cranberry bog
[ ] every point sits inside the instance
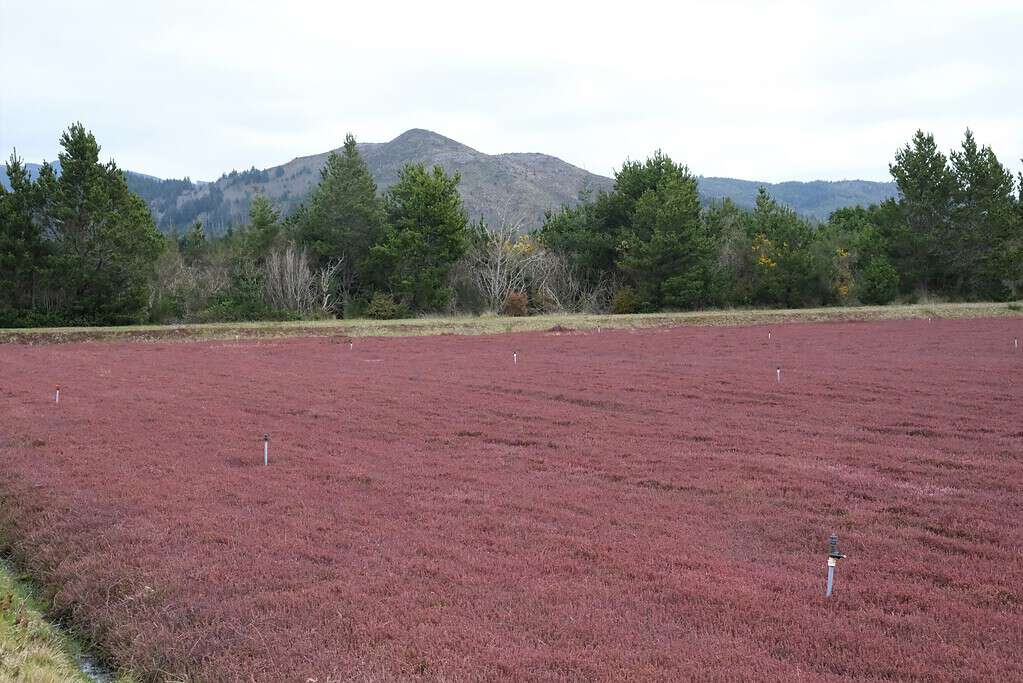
(645, 505)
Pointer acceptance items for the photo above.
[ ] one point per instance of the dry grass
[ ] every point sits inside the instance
(492, 324)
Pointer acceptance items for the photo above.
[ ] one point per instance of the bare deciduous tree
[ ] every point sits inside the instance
(334, 285)
(499, 262)
(289, 282)
(504, 260)
(559, 287)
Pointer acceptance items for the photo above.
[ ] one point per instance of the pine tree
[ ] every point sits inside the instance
(105, 240)
(264, 227)
(193, 243)
(427, 233)
(574, 233)
(344, 217)
(784, 271)
(666, 251)
(925, 187)
(984, 219)
(24, 253)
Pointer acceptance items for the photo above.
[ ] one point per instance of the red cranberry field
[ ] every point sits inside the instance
(639, 505)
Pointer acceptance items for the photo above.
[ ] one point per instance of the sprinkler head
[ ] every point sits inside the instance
(266, 437)
(833, 543)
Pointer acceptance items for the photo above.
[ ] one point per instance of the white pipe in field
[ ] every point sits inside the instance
(56, 398)
(778, 372)
(515, 358)
(266, 450)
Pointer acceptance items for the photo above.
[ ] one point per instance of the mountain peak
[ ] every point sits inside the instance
(424, 137)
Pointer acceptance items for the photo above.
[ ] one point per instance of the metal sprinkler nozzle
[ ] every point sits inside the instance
(833, 557)
(833, 543)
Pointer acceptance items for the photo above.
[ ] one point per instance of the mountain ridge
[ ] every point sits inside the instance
(515, 187)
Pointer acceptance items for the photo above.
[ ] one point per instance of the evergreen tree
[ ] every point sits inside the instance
(925, 188)
(1019, 196)
(427, 234)
(876, 278)
(647, 230)
(24, 253)
(344, 217)
(104, 236)
(785, 271)
(574, 233)
(666, 252)
(264, 227)
(878, 281)
(1013, 252)
(983, 217)
(192, 245)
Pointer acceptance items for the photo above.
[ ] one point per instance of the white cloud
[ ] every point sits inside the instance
(764, 90)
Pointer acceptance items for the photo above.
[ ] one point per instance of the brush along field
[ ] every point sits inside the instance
(629, 504)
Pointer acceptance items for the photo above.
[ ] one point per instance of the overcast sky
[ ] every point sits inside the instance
(759, 90)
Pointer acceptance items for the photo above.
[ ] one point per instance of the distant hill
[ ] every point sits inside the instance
(33, 172)
(817, 198)
(499, 187)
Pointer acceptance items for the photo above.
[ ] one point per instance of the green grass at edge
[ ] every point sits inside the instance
(31, 649)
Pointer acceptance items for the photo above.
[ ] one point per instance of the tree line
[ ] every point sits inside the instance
(81, 248)
(956, 232)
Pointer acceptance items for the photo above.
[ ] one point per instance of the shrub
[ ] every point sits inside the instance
(10, 317)
(625, 300)
(383, 307)
(879, 282)
(542, 302)
(242, 299)
(683, 291)
(517, 304)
